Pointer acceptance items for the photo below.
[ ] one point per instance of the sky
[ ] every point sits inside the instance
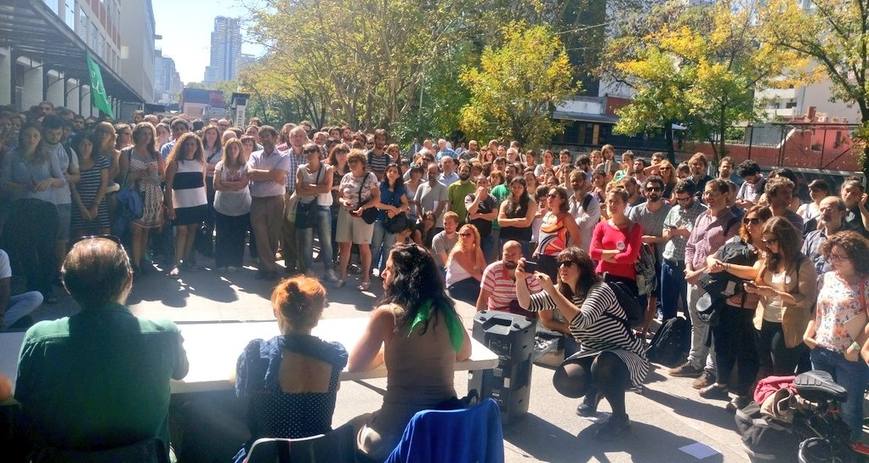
(186, 27)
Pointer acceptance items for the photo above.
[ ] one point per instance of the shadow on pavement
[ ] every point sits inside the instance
(544, 441)
(707, 413)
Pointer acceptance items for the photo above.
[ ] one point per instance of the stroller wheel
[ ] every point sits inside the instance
(820, 450)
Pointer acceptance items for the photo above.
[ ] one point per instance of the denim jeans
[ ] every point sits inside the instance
(850, 375)
(305, 238)
(672, 288)
(381, 243)
(702, 355)
(490, 246)
(20, 306)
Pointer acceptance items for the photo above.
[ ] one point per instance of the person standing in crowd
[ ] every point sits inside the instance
(458, 191)
(232, 203)
(711, 230)
(516, 215)
(359, 191)
(179, 127)
(213, 146)
(418, 335)
(818, 190)
(393, 202)
(142, 166)
(840, 320)
(627, 167)
(186, 201)
(610, 358)
(482, 211)
(290, 382)
(164, 134)
(668, 174)
(734, 336)
(338, 160)
(124, 137)
(675, 231)
(104, 145)
(651, 215)
(448, 174)
(558, 230)
(828, 223)
(69, 367)
(856, 215)
(584, 207)
(377, 158)
(445, 240)
(615, 243)
(30, 173)
(465, 265)
(753, 186)
(314, 189)
(90, 216)
(431, 196)
(61, 193)
(725, 171)
(297, 137)
(548, 159)
(267, 170)
(699, 171)
(779, 194)
(635, 196)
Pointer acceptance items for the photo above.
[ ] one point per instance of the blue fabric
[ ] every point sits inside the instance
(390, 198)
(850, 375)
(435, 436)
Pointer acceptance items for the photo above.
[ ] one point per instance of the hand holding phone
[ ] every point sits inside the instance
(531, 266)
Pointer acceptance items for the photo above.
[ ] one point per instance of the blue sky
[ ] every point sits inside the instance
(186, 29)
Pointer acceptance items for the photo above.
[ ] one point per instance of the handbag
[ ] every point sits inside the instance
(396, 224)
(306, 213)
(368, 215)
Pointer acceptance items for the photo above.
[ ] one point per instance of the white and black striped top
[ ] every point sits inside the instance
(601, 326)
(188, 185)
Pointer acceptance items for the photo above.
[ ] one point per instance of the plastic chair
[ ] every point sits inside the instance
(147, 451)
(338, 446)
(468, 435)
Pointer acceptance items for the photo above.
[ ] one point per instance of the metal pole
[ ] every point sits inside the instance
(750, 140)
(823, 149)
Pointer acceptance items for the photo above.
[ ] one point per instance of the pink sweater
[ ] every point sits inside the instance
(627, 241)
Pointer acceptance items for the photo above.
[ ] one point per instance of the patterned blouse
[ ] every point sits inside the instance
(838, 304)
(601, 326)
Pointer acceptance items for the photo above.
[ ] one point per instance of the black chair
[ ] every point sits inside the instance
(338, 446)
(147, 451)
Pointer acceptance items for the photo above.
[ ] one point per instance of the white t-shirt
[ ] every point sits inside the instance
(5, 268)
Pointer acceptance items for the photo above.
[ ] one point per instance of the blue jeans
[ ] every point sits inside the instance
(672, 287)
(490, 246)
(850, 375)
(305, 237)
(381, 243)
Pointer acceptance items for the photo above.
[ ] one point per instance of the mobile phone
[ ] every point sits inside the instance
(531, 266)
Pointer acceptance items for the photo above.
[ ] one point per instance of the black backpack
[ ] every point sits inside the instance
(765, 438)
(671, 342)
(636, 314)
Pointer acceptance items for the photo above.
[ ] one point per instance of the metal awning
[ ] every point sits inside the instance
(31, 29)
(584, 117)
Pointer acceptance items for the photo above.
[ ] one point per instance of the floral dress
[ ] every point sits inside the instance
(838, 304)
(149, 187)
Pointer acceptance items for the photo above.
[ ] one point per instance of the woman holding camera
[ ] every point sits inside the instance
(611, 358)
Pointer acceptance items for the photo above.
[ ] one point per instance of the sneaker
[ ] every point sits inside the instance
(331, 276)
(614, 427)
(714, 391)
(588, 407)
(706, 378)
(686, 370)
(175, 273)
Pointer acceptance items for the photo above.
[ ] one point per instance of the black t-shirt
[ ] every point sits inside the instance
(486, 206)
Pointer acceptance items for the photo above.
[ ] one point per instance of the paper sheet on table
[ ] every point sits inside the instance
(699, 451)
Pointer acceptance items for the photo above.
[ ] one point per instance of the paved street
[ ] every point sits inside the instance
(668, 416)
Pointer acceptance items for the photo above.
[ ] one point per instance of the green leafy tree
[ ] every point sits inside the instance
(516, 86)
(835, 35)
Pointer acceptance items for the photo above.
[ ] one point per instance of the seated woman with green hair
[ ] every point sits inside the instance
(417, 333)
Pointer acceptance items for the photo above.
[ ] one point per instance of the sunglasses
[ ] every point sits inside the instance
(463, 234)
(751, 221)
(653, 188)
(566, 263)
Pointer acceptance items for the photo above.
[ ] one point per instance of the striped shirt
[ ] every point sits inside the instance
(188, 185)
(377, 163)
(502, 287)
(601, 326)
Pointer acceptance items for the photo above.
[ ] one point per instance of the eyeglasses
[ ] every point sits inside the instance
(566, 263)
(751, 221)
(464, 234)
(837, 257)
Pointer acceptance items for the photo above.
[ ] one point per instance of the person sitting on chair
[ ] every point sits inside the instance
(291, 381)
(417, 333)
(99, 379)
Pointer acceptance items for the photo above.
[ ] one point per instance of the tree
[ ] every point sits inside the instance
(694, 72)
(516, 86)
(835, 35)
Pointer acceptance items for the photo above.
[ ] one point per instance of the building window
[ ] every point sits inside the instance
(791, 104)
(69, 13)
(83, 24)
(54, 5)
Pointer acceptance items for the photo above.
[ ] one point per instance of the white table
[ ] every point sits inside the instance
(213, 348)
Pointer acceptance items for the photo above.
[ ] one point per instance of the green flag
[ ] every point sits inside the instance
(98, 91)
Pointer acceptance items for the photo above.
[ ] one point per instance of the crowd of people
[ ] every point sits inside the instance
(495, 226)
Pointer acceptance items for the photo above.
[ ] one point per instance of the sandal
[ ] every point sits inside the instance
(363, 286)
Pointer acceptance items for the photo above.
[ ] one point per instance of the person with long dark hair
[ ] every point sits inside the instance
(610, 358)
(393, 201)
(186, 201)
(142, 167)
(558, 230)
(417, 333)
(517, 215)
(314, 189)
(338, 160)
(91, 214)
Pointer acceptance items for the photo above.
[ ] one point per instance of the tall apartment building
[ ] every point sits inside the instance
(43, 45)
(167, 81)
(225, 50)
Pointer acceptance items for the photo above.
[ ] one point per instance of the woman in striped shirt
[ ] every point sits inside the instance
(611, 358)
(185, 195)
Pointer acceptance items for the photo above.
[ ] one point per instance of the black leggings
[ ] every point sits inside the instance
(735, 343)
(775, 357)
(605, 374)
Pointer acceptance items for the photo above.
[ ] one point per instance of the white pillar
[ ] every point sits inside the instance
(5, 76)
(85, 99)
(31, 81)
(56, 88)
(73, 96)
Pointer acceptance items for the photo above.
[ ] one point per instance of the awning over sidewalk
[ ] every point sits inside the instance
(31, 29)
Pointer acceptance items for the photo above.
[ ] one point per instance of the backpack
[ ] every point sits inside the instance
(636, 314)
(671, 342)
(765, 438)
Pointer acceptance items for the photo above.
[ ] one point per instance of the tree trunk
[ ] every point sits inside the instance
(668, 135)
